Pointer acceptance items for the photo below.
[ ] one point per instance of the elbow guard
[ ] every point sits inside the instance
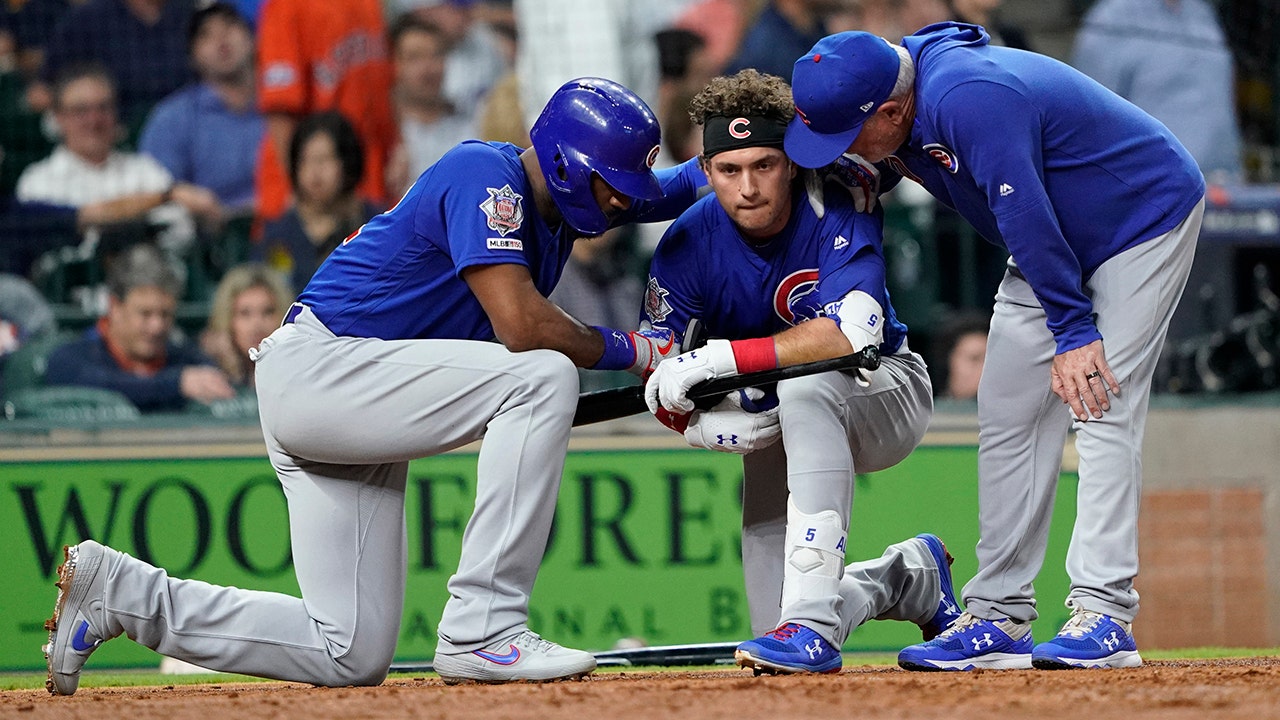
(860, 318)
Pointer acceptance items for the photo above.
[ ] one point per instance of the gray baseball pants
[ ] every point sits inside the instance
(342, 418)
(831, 428)
(1023, 427)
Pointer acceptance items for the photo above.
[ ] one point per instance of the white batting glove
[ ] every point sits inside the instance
(669, 384)
(728, 427)
(860, 177)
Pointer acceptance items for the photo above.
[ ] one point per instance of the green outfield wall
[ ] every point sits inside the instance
(645, 541)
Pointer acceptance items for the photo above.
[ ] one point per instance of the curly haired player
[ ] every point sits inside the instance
(783, 271)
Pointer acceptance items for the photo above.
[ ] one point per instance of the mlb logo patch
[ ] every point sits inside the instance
(655, 301)
(503, 210)
(505, 244)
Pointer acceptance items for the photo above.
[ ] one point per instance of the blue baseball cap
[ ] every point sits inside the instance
(838, 85)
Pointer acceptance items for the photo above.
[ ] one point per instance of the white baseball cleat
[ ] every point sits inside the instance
(524, 656)
(75, 628)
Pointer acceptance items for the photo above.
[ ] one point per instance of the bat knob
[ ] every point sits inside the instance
(870, 357)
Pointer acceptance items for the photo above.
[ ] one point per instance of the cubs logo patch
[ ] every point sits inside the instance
(795, 299)
(803, 118)
(655, 301)
(738, 128)
(503, 210)
(944, 156)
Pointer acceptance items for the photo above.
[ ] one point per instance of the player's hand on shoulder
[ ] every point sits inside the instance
(669, 385)
(205, 383)
(859, 177)
(744, 421)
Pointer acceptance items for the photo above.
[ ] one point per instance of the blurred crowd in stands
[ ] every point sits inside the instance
(173, 171)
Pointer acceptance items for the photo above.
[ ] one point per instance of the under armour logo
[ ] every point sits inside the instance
(983, 642)
(1111, 641)
(814, 649)
(731, 440)
(691, 355)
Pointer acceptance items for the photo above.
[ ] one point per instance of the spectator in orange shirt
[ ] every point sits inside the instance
(315, 56)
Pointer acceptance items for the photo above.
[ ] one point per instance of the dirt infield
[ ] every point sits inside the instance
(1168, 690)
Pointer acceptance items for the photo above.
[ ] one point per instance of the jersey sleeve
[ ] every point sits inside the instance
(1004, 154)
(282, 61)
(851, 253)
(485, 211)
(673, 295)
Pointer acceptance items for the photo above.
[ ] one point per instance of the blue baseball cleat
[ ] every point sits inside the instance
(948, 608)
(971, 643)
(791, 648)
(1089, 640)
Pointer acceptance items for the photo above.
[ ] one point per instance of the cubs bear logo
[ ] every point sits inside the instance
(795, 299)
(944, 156)
(503, 210)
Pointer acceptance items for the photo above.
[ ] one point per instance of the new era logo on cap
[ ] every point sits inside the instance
(836, 87)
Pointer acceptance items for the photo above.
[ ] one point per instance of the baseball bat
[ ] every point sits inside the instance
(614, 403)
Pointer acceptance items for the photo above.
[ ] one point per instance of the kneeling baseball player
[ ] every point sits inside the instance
(782, 271)
(387, 356)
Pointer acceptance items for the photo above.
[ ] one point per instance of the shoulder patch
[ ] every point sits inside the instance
(945, 157)
(655, 301)
(503, 210)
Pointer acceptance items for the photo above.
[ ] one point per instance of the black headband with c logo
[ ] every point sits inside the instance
(721, 133)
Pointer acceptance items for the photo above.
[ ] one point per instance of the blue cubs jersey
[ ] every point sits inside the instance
(704, 268)
(1043, 161)
(399, 276)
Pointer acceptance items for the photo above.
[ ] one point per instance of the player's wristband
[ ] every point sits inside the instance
(619, 350)
(754, 355)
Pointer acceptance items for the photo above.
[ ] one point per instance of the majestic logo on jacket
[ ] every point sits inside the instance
(503, 210)
(944, 156)
(796, 298)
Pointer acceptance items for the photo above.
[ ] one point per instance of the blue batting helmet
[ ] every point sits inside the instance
(592, 125)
